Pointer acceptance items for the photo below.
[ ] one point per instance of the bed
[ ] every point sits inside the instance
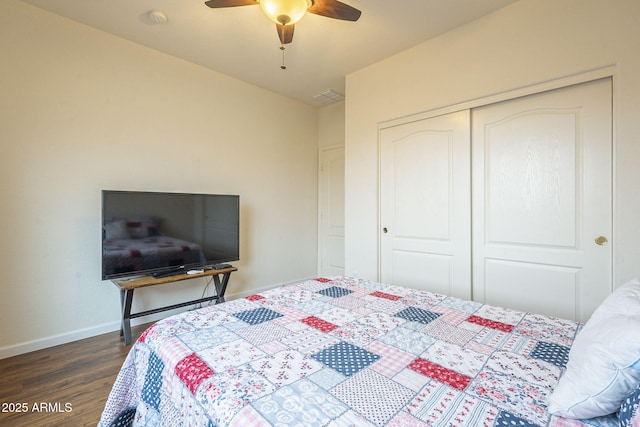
(127, 255)
(136, 244)
(342, 351)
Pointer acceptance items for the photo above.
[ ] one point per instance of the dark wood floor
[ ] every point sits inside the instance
(66, 385)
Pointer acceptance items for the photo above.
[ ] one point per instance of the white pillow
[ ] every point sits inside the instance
(116, 230)
(600, 371)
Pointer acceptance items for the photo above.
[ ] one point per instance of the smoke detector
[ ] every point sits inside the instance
(155, 17)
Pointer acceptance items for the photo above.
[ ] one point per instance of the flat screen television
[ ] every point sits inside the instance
(154, 233)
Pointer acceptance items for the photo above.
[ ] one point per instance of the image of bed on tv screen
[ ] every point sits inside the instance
(156, 233)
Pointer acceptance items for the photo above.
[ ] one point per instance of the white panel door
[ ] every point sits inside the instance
(425, 205)
(542, 201)
(331, 239)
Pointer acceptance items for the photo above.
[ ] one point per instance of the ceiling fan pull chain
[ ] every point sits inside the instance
(282, 48)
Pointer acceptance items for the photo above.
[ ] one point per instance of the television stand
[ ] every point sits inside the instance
(127, 286)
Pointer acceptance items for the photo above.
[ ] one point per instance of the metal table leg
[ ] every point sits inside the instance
(126, 298)
(221, 287)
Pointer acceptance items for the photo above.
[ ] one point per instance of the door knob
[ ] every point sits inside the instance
(384, 230)
(601, 240)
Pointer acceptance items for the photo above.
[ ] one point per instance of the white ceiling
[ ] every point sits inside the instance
(243, 43)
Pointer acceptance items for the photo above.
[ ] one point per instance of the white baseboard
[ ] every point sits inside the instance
(79, 334)
(39, 344)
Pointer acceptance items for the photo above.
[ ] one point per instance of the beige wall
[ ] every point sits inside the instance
(528, 43)
(82, 111)
(331, 125)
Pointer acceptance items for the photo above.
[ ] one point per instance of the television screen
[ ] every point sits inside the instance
(152, 233)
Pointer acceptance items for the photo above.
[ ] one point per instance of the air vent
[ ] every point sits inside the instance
(328, 97)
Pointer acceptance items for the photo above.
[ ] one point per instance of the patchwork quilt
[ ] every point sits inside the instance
(344, 352)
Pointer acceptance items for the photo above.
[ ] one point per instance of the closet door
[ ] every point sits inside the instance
(425, 205)
(542, 201)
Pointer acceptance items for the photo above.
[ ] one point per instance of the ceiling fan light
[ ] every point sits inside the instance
(285, 12)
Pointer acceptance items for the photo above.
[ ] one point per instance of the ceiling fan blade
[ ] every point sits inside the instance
(285, 33)
(229, 3)
(334, 9)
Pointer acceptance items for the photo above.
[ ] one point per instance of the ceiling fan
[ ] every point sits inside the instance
(285, 13)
